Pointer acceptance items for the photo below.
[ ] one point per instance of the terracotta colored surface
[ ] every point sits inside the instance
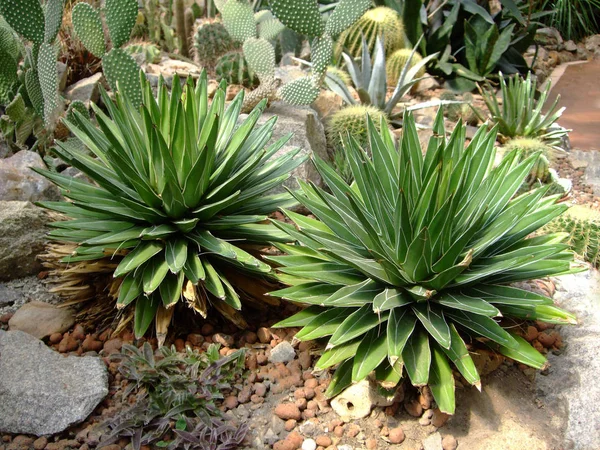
(579, 88)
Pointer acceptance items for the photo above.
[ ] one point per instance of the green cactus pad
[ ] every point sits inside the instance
(302, 16)
(211, 41)
(219, 4)
(78, 106)
(8, 41)
(34, 91)
(53, 19)
(352, 120)
(321, 50)
(302, 91)
(120, 67)
(8, 75)
(48, 77)
(88, 28)
(375, 22)
(396, 62)
(260, 56)
(238, 18)
(270, 29)
(16, 109)
(120, 19)
(345, 14)
(26, 17)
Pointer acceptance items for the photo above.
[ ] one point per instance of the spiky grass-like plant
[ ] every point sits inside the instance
(179, 186)
(411, 263)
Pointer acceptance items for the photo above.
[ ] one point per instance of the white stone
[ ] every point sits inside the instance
(309, 444)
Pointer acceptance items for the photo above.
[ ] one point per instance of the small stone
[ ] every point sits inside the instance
(338, 431)
(244, 395)
(546, 339)
(41, 319)
(40, 443)
(282, 353)
(449, 442)
(323, 441)
(396, 435)
(224, 339)
(290, 424)
(295, 438)
(91, 345)
(284, 445)
(264, 335)
(113, 346)
(433, 442)
(231, 402)
(260, 389)
(68, 344)
(309, 444)
(414, 408)
(195, 339)
(345, 447)
(371, 444)
(287, 411)
(531, 334)
(55, 338)
(439, 418)
(207, 329)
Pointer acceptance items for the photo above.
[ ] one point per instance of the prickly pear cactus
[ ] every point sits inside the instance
(122, 72)
(52, 19)
(302, 91)
(260, 55)
(34, 91)
(79, 107)
(375, 22)
(48, 78)
(120, 19)
(8, 75)
(344, 15)
(238, 18)
(26, 17)
(211, 41)
(233, 68)
(301, 16)
(88, 28)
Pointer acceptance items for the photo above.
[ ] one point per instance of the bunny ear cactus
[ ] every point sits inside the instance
(406, 266)
(26, 17)
(119, 68)
(180, 186)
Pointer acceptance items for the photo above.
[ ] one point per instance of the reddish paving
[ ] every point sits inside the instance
(579, 88)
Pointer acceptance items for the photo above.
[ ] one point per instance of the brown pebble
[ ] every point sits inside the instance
(231, 402)
(425, 398)
(91, 345)
(353, 430)
(195, 339)
(68, 344)
(531, 334)
(338, 431)
(546, 339)
(55, 338)
(284, 445)
(295, 438)
(439, 418)
(256, 399)
(309, 393)
(371, 444)
(396, 435)
(40, 443)
(287, 411)
(260, 389)
(290, 424)
(244, 395)
(311, 383)
(264, 335)
(542, 326)
(305, 360)
(78, 332)
(323, 441)
(113, 346)
(449, 442)
(299, 393)
(414, 408)
(301, 403)
(250, 337)
(308, 414)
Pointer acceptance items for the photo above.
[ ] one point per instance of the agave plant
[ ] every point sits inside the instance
(409, 266)
(182, 189)
(520, 113)
(370, 80)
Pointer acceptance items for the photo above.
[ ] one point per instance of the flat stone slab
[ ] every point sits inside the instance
(41, 319)
(43, 392)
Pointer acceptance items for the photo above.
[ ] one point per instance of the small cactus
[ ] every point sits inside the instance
(375, 22)
(396, 62)
(583, 228)
(341, 74)
(88, 28)
(232, 68)
(26, 17)
(120, 19)
(464, 112)
(302, 91)
(77, 106)
(211, 41)
(352, 120)
(48, 78)
(528, 146)
(238, 18)
(302, 16)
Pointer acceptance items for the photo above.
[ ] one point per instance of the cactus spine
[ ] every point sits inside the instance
(396, 62)
(353, 120)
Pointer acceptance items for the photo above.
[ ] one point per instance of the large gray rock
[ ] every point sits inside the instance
(19, 182)
(22, 238)
(571, 385)
(41, 319)
(86, 90)
(308, 135)
(42, 392)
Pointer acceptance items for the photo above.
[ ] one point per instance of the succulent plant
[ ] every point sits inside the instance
(379, 21)
(396, 61)
(529, 146)
(143, 52)
(583, 228)
(182, 190)
(352, 120)
(232, 68)
(211, 41)
(412, 262)
(341, 74)
(519, 114)
(120, 69)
